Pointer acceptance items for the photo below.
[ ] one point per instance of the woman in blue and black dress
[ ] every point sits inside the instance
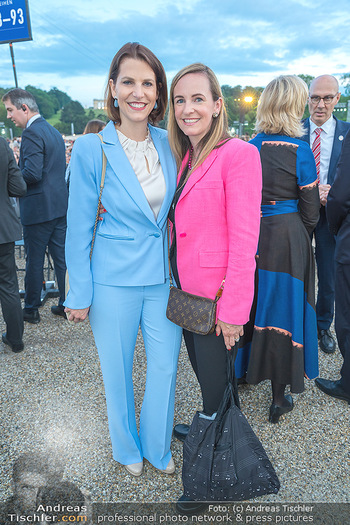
(284, 346)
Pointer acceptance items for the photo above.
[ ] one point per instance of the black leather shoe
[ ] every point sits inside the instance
(59, 310)
(276, 412)
(31, 317)
(14, 347)
(332, 388)
(180, 431)
(327, 343)
(187, 506)
(242, 380)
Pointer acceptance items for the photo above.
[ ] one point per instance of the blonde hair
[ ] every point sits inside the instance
(281, 107)
(179, 142)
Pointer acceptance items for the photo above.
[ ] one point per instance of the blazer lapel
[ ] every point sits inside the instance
(339, 135)
(122, 168)
(168, 164)
(198, 173)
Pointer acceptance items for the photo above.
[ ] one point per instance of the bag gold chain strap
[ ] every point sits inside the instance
(104, 164)
(103, 175)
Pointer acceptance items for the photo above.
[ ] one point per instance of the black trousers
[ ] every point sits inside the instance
(208, 356)
(37, 237)
(324, 254)
(9, 294)
(342, 319)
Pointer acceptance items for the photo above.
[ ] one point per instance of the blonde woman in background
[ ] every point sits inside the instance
(284, 344)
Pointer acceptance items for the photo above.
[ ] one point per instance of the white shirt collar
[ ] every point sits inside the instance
(31, 120)
(327, 126)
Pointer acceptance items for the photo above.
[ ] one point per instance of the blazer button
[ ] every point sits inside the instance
(156, 234)
(183, 234)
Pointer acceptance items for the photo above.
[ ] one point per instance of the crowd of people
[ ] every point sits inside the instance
(220, 212)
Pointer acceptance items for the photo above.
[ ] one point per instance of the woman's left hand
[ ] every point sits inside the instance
(230, 332)
(77, 316)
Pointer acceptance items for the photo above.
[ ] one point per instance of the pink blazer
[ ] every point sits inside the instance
(217, 227)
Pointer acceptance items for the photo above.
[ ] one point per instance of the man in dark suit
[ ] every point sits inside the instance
(43, 209)
(11, 185)
(323, 96)
(338, 215)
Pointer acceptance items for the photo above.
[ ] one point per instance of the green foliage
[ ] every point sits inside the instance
(238, 109)
(56, 118)
(59, 98)
(91, 115)
(346, 78)
(73, 112)
(58, 107)
(63, 127)
(50, 104)
(101, 116)
(307, 79)
(45, 103)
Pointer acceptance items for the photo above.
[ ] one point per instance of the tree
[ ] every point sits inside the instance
(307, 79)
(232, 96)
(58, 98)
(73, 112)
(239, 110)
(346, 77)
(63, 127)
(91, 114)
(45, 104)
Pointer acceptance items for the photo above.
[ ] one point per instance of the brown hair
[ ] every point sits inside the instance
(179, 142)
(138, 52)
(94, 126)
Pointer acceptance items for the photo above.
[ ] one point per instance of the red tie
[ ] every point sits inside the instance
(316, 150)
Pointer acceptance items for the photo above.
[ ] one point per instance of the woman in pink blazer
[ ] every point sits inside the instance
(216, 217)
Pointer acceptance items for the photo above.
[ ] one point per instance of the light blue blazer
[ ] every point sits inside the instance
(130, 245)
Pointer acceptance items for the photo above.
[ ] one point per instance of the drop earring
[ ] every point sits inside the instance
(155, 105)
(116, 105)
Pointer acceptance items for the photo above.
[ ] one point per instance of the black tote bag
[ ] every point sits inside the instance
(223, 460)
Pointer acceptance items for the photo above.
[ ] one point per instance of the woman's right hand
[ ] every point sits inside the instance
(231, 333)
(77, 316)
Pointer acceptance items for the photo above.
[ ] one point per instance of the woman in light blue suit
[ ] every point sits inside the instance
(125, 286)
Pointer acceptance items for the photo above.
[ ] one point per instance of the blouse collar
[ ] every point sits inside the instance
(133, 146)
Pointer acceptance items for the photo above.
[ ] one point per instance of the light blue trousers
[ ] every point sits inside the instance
(116, 314)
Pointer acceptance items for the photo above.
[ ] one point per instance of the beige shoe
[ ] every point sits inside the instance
(135, 468)
(170, 468)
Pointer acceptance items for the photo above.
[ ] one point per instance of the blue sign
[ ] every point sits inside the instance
(14, 21)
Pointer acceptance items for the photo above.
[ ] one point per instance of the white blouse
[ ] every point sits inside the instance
(144, 160)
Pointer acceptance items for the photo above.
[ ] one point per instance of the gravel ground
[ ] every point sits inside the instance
(52, 398)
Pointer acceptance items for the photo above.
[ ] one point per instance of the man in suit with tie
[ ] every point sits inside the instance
(43, 209)
(325, 134)
(11, 185)
(338, 215)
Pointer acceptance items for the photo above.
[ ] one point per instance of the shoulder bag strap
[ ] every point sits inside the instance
(170, 274)
(104, 164)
